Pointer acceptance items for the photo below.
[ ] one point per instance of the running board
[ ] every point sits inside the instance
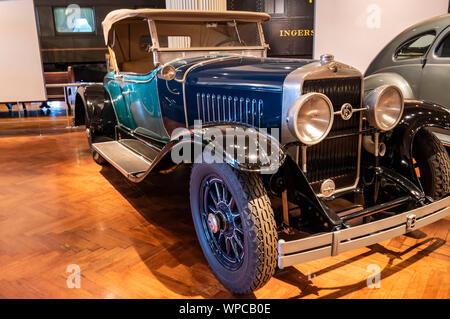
(128, 162)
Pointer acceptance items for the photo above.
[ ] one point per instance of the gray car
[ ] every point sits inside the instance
(417, 61)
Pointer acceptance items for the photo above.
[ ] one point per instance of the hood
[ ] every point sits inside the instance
(241, 89)
(249, 73)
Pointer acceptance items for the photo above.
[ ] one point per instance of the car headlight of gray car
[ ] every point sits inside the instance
(385, 107)
(310, 118)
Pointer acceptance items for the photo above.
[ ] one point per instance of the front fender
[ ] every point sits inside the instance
(93, 107)
(417, 115)
(373, 81)
(244, 148)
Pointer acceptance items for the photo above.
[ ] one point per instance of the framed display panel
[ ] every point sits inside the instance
(21, 72)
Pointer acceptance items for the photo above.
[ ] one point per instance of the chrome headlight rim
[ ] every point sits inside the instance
(295, 109)
(373, 101)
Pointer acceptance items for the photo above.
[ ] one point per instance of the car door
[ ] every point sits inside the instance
(435, 82)
(409, 59)
(115, 86)
(141, 95)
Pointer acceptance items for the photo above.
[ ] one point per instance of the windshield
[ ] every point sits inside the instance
(191, 34)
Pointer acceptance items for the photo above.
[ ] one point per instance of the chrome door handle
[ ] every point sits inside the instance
(126, 93)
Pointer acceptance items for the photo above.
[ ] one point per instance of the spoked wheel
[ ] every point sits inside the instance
(432, 164)
(222, 222)
(235, 225)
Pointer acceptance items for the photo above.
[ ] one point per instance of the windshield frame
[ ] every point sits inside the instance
(165, 55)
(157, 47)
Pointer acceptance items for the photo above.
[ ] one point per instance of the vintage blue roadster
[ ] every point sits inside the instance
(347, 168)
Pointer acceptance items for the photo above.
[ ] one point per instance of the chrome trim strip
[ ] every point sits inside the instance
(354, 111)
(170, 90)
(155, 41)
(292, 88)
(262, 38)
(183, 80)
(291, 91)
(199, 64)
(324, 245)
(358, 165)
(140, 138)
(135, 74)
(260, 48)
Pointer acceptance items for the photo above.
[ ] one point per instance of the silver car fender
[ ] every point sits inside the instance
(373, 81)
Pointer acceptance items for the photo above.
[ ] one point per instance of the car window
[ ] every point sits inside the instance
(74, 19)
(195, 34)
(443, 50)
(415, 47)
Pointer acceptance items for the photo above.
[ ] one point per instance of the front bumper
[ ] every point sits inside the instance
(332, 243)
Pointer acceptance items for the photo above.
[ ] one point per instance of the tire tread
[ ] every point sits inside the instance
(433, 154)
(266, 237)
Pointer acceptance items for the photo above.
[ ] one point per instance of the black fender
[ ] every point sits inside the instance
(93, 107)
(290, 177)
(235, 144)
(273, 163)
(417, 115)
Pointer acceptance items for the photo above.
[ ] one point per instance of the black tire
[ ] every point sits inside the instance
(95, 155)
(98, 158)
(254, 210)
(433, 163)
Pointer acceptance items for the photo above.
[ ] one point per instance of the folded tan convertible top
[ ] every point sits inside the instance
(178, 15)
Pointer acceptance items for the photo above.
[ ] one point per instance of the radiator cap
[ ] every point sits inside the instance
(326, 58)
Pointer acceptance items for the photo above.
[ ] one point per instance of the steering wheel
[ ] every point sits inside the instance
(231, 41)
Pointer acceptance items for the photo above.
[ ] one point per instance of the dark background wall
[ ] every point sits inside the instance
(84, 52)
(290, 30)
(73, 47)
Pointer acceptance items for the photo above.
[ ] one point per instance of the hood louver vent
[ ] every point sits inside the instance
(213, 108)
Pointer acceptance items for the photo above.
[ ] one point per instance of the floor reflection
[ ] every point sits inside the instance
(25, 119)
(32, 110)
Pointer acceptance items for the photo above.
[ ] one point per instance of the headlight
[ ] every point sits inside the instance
(385, 107)
(310, 118)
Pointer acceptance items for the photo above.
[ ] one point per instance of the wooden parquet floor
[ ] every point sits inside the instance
(57, 208)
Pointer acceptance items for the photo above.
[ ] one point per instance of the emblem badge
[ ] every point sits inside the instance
(327, 188)
(346, 111)
(410, 222)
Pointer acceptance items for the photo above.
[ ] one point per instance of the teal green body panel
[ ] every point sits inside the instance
(139, 110)
(120, 106)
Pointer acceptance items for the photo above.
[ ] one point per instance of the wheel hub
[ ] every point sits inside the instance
(226, 217)
(213, 223)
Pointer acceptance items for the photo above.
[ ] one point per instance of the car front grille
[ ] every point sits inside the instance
(336, 157)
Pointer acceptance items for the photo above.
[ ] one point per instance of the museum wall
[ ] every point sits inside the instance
(290, 29)
(356, 30)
